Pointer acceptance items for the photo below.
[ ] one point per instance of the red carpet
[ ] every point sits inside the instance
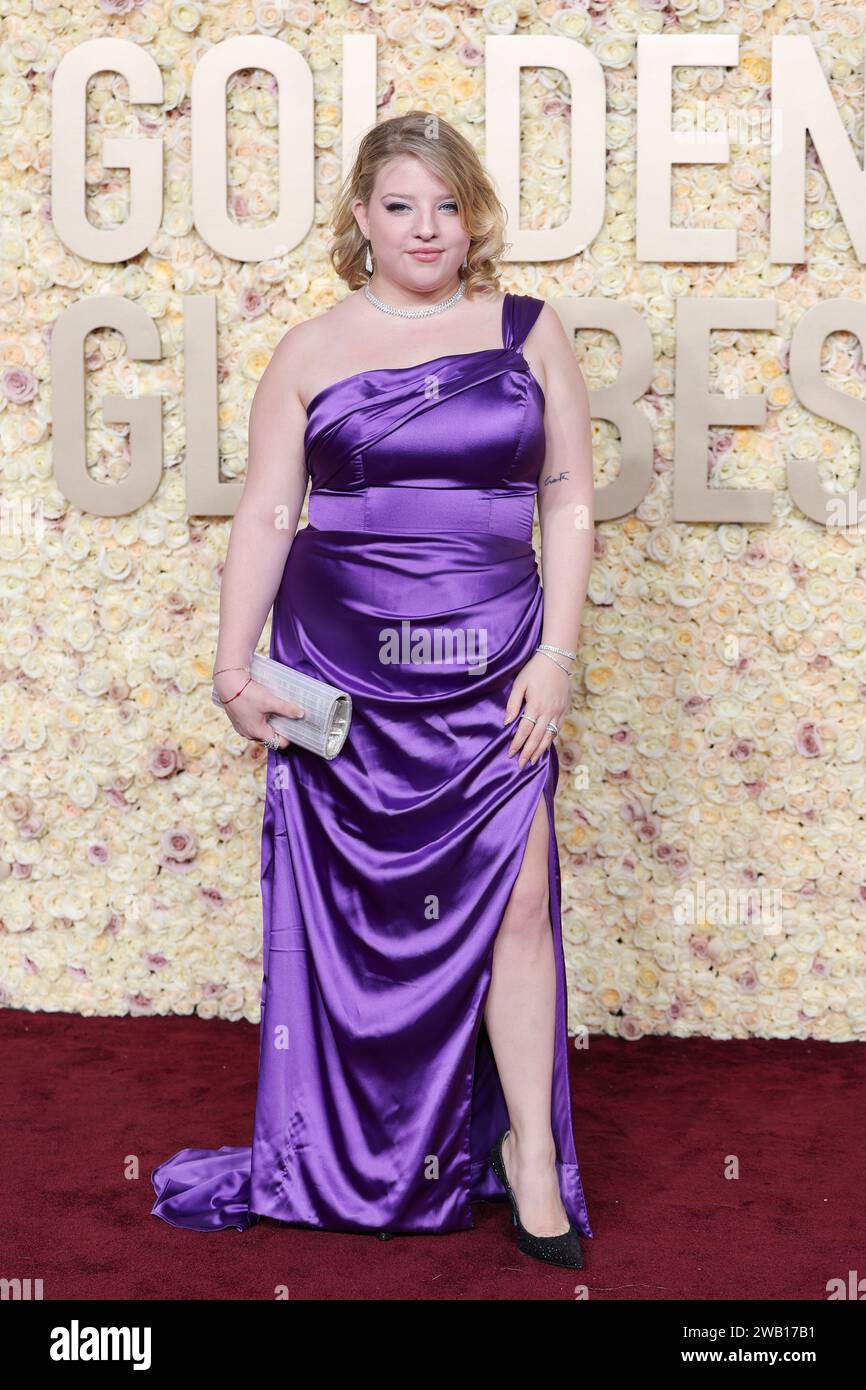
(88, 1100)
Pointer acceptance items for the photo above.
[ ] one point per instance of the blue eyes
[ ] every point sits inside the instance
(393, 207)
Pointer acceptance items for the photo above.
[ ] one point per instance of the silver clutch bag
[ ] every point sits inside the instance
(327, 710)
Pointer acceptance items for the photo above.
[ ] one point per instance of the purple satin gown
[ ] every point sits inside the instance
(386, 872)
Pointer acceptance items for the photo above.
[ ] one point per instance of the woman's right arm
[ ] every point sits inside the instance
(262, 531)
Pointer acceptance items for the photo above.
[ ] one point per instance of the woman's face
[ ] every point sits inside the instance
(411, 209)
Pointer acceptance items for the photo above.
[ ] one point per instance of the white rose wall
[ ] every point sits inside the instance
(711, 803)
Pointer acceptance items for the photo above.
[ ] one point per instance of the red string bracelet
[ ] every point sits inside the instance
(240, 692)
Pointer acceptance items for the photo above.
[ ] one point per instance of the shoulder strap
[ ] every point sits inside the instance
(521, 311)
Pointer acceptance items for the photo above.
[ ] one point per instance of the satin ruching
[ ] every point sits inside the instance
(386, 872)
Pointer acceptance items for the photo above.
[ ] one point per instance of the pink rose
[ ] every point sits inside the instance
(630, 1029)
(252, 303)
(178, 848)
(18, 384)
(647, 830)
(162, 762)
(742, 750)
(139, 1006)
(807, 741)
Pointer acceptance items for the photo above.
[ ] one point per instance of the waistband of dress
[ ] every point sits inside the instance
(413, 510)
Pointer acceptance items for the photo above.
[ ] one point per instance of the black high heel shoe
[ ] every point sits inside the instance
(555, 1250)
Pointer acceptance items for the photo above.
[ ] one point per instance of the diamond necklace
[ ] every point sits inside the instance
(422, 313)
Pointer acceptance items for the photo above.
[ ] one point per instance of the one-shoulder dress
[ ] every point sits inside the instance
(386, 871)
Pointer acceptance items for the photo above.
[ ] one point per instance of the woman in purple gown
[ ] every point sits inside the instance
(414, 1047)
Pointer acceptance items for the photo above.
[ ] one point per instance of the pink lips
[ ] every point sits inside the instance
(425, 255)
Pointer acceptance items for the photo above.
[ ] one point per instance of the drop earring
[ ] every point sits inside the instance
(368, 264)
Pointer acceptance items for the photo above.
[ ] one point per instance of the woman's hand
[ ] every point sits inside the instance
(249, 712)
(545, 689)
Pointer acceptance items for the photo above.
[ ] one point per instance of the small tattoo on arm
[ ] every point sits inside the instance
(551, 479)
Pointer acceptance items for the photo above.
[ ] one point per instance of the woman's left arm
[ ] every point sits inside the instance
(567, 519)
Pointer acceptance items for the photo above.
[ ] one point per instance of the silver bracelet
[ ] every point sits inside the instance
(554, 660)
(563, 651)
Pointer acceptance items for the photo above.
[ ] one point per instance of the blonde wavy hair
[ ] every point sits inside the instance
(447, 153)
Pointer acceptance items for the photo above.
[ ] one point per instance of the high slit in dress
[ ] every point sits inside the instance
(386, 871)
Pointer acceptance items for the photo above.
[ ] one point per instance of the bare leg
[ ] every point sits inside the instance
(520, 1023)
